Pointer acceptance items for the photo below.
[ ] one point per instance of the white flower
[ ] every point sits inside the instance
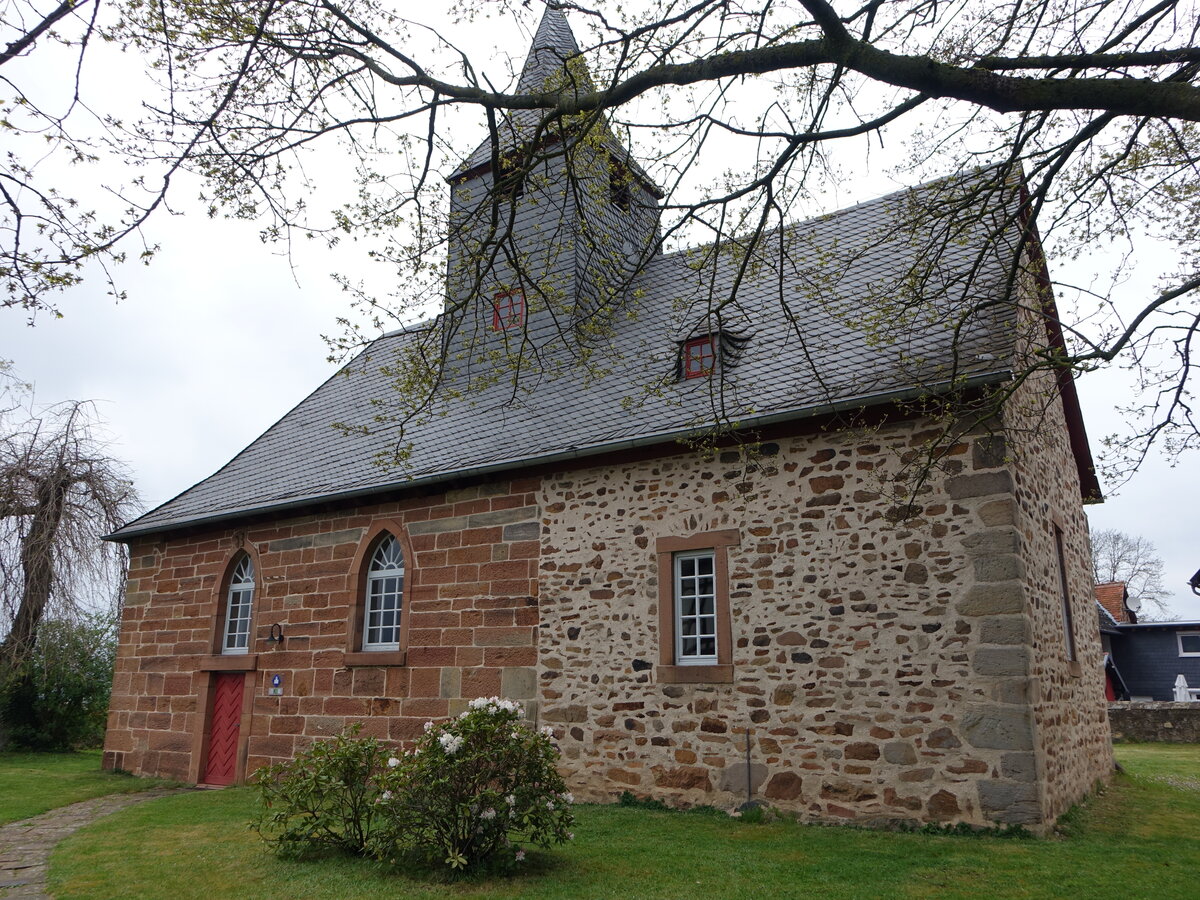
(393, 762)
(511, 799)
(386, 795)
(550, 805)
(569, 797)
(520, 855)
(450, 743)
(429, 725)
(570, 835)
(547, 731)
(488, 814)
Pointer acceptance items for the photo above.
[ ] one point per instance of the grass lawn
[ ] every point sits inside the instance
(1140, 838)
(31, 783)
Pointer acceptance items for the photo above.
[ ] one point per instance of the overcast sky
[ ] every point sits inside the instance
(220, 337)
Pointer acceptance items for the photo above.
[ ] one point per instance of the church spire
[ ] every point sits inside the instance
(545, 68)
(552, 48)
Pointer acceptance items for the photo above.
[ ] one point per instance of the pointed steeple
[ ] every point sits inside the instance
(546, 68)
(552, 48)
(563, 231)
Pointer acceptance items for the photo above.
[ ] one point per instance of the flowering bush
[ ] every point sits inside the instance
(326, 798)
(473, 790)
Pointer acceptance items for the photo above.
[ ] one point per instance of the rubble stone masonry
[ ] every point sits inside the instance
(882, 669)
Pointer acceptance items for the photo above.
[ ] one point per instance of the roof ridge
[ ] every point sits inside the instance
(844, 210)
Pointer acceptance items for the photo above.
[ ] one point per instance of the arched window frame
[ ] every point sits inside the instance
(236, 632)
(385, 584)
(358, 651)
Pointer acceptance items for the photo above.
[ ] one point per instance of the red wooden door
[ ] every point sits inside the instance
(223, 728)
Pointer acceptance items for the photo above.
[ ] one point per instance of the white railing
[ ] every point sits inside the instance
(1185, 694)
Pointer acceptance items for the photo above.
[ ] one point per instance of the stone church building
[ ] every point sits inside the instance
(840, 606)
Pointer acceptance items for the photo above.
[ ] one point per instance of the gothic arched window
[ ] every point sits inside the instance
(385, 588)
(239, 607)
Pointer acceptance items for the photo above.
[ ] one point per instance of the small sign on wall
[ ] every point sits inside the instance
(276, 688)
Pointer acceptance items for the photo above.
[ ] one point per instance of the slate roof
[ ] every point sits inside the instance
(552, 48)
(814, 342)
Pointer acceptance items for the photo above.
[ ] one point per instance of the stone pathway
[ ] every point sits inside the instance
(25, 846)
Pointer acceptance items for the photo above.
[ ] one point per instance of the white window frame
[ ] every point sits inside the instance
(1180, 635)
(375, 576)
(240, 597)
(678, 561)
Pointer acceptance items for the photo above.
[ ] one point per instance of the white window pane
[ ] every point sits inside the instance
(695, 607)
(239, 606)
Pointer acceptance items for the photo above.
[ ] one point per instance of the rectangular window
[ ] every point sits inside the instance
(695, 626)
(1068, 623)
(508, 311)
(1189, 643)
(237, 620)
(699, 357)
(695, 608)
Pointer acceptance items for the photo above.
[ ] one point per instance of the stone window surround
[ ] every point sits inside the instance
(1058, 534)
(666, 547)
(355, 655)
(233, 662)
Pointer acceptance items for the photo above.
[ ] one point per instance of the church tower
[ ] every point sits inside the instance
(549, 217)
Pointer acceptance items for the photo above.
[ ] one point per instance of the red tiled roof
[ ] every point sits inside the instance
(1112, 597)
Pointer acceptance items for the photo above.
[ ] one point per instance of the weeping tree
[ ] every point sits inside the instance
(60, 584)
(60, 491)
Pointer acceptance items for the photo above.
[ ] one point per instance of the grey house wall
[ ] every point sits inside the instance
(1149, 661)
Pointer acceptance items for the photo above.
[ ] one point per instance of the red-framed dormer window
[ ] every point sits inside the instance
(699, 357)
(508, 310)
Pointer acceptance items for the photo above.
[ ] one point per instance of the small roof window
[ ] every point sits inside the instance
(508, 310)
(698, 357)
(702, 354)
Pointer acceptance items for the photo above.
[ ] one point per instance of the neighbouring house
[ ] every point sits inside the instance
(770, 616)
(1147, 658)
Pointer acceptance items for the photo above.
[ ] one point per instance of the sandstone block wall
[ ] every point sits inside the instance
(471, 596)
(880, 667)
